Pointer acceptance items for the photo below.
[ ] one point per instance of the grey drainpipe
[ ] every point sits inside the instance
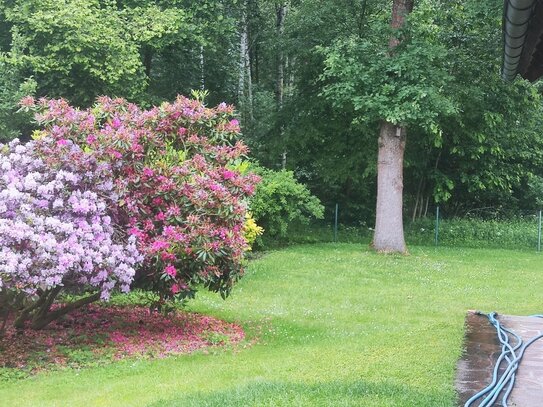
(516, 17)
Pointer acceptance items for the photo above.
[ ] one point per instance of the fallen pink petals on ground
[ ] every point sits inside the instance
(113, 332)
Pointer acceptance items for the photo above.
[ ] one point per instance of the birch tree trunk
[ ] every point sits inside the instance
(245, 85)
(281, 13)
(202, 69)
(242, 56)
(389, 236)
(249, 87)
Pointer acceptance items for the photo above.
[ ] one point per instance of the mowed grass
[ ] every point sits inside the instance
(338, 324)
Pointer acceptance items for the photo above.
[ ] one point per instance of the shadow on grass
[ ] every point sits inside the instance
(335, 393)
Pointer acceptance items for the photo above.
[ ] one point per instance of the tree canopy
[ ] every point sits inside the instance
(312, 81)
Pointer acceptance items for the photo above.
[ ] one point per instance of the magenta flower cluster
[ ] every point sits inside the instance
(182, 183)
(57, 222)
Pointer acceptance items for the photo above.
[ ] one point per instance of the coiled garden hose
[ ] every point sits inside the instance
(510, 358)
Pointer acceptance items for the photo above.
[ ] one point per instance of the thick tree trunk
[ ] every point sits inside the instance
(39, 312)
(253, 19)
(5, 310)
(26, 313)
(388, 236)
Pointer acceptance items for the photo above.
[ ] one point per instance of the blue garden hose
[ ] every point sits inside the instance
(509, 358)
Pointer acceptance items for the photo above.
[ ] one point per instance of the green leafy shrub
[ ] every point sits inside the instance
(281, 201)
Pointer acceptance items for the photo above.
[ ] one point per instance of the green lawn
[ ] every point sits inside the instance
(340, 326)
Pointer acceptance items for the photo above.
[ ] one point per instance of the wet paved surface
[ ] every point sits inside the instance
(474, 370)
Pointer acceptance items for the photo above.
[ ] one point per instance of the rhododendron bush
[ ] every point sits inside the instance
(57, 216)
(182, 182)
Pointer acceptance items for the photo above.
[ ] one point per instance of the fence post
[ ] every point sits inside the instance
(539, 232)
(436, 239)
(335, 224)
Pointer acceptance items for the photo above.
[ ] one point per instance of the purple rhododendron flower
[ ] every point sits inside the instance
(56, 227)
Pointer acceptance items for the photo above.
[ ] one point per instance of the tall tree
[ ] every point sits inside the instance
(392, 78)
(388, 234)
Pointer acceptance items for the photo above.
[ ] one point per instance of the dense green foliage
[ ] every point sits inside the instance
(513, 233)
(310, 86)
(519, 233)
(13, 87)
(390, 338)
(280, 201)
(472, 139)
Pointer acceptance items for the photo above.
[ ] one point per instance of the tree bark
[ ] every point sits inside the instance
(25, 313)
(389, 236)
(249, 88)
(242, 57)
(43, 310)
(40, 311)
(253, 19)
(49, 317)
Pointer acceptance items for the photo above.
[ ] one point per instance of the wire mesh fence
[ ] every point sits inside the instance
(520, 229)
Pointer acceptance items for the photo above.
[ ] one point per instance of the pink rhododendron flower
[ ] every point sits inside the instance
(148, 225)
(165, 256)
(27, 101)
(136, 148)
(159, 245)
(170, 270)
(227, 174)
(116, 123)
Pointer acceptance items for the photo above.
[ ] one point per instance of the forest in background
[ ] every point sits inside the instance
(312, 80)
